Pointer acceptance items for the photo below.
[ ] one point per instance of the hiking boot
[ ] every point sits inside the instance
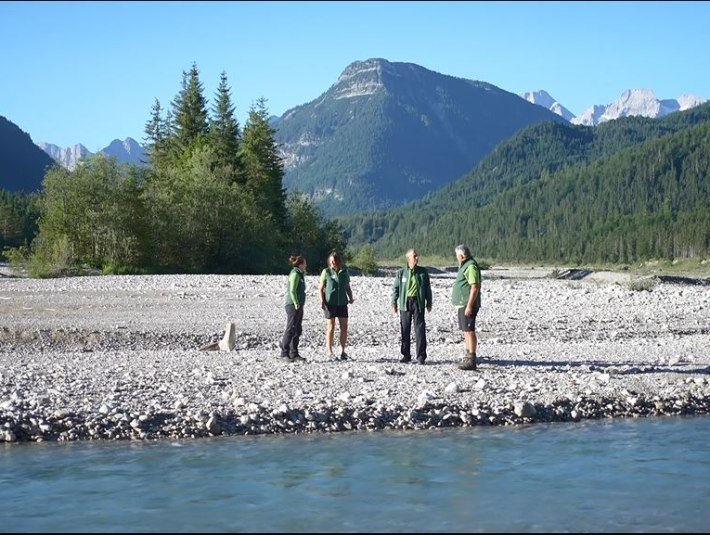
(469, 363)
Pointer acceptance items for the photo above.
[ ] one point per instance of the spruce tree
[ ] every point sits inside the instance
(156, 130)
(189, 117)
(263, 165)
(225, 135)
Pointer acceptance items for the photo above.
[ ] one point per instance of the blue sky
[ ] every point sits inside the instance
(89, 72)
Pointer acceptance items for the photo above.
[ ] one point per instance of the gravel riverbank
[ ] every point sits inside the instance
(118, 357)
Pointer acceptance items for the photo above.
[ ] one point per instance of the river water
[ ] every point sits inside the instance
(622, 475)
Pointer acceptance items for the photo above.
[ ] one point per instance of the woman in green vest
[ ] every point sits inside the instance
(295, 301)
(335, 295)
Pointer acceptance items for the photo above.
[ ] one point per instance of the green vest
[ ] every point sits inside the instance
(401, 284)
(296, 288)
(462, 289)
(336, 285)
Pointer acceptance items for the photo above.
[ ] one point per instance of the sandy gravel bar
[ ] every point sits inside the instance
(118, 357)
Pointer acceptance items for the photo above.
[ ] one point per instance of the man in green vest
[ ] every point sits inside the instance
(411, 294)
(466, 297)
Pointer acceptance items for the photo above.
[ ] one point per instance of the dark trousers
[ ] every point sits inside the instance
(294, 322)
(406, 317)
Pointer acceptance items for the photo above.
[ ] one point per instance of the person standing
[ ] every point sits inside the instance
(411, 294)
(295, 301)
(335, 295)
(466, 297)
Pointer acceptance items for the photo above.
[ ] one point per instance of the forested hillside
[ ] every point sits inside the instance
(629, 189)
(18, 218)
(22, 163)
(388, 132)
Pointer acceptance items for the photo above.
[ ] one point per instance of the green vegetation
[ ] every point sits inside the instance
(365, 260)
(18, 220)
(211, 202)
(643, 285)
(624, 192)
(632, 194)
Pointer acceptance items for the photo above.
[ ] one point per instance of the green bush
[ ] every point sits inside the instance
(643, 285)
(365, 260)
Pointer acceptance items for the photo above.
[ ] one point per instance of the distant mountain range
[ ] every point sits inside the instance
(382, 135)
(126, 151)
(632, 102)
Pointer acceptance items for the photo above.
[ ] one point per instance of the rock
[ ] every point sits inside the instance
(213, 426)
(452, 388)
(524, 409)
(228, 340)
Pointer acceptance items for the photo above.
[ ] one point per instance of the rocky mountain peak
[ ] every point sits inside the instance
(543, 98)
(636, 102)
(362, 78)
(67, 157)
(126, 151)
(685, 101)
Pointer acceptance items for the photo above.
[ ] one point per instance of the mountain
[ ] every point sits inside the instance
(126, 151)
(636, 102)
(629, 189)
(22, 163)
(543, 98)
(386, 133)
(66, 157)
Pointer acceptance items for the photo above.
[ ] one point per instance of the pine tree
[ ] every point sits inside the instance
(157, 131)
(189, 117)
(225, 135)
(262, 163)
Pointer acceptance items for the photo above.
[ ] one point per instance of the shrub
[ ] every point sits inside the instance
(365, 260)
(641, 285)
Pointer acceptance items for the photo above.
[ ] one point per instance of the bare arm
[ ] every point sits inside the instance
(472, 295)
(321, 291)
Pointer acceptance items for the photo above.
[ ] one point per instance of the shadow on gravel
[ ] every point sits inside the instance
(574, 274)
(618, 368)
(579, 274)
(672, 279)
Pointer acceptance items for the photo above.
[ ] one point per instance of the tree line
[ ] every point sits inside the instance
(629, 190)
(211, 201)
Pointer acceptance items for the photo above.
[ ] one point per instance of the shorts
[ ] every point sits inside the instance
(331, 312)
(467, 324)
